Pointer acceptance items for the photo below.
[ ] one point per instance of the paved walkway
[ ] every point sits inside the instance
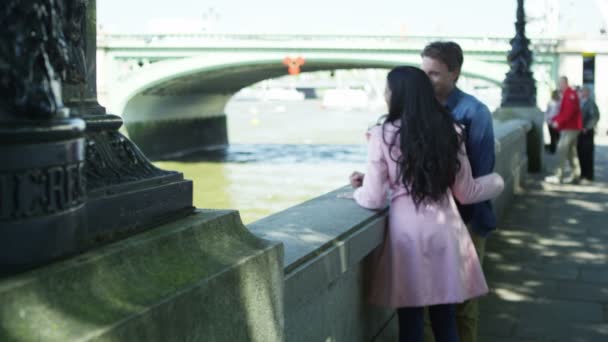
(547, 265)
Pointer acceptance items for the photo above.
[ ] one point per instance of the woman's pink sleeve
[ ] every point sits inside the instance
(373, 193)
(468, 190)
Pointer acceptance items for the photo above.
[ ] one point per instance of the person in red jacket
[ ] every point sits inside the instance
(569, 122)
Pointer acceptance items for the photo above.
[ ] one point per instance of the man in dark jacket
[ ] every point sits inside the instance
(585, 145)
(442, 62)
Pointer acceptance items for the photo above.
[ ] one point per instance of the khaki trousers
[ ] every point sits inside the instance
(566, 151)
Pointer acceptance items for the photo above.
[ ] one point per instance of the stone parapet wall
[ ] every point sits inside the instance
(327, 243)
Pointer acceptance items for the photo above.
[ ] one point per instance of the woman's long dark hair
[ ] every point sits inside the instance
(429, 141)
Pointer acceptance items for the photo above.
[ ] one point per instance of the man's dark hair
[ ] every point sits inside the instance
(449, 53)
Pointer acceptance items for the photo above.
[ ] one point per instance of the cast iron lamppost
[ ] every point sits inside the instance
(519, 93)
(519, 87)
(69, 180)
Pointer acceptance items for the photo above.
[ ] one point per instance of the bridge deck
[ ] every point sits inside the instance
(547, 266)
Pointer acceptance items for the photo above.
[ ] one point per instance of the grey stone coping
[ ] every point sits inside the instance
(505, 128)
(313, 227)
(508, 132)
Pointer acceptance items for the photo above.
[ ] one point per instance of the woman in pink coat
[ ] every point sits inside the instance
(417, 161)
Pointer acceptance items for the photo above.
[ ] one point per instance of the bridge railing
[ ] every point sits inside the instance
(467, 42)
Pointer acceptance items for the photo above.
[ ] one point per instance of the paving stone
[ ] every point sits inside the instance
(547, 265)
(582, 291)
(595, 276)
(497, 324)
(561, 331)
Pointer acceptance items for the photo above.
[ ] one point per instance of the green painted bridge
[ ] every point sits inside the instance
(180, 84)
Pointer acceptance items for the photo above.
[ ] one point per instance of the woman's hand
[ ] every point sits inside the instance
(346, 195)
(356, 179)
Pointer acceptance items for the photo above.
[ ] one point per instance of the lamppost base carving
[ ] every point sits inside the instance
(126, 193)
(519, 90)
(42, 191)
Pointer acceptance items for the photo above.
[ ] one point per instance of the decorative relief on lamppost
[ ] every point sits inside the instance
(75, 31)
(33, 58)
(113, 159)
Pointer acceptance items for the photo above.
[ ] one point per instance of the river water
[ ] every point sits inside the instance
(282, 153)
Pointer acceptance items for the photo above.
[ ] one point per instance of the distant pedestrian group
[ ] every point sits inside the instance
(572, 116)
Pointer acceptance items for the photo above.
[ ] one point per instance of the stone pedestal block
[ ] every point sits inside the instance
(201, 278)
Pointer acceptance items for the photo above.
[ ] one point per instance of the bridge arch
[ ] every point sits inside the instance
(185, 99)
(242, 72)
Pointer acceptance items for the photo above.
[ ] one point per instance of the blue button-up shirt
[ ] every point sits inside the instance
(479, 135)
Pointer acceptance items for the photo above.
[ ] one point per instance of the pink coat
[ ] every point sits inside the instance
(428, 257)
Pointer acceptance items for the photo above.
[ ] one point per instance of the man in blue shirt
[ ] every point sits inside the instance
(442, 62)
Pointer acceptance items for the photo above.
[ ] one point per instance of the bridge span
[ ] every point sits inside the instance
(179, 85)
